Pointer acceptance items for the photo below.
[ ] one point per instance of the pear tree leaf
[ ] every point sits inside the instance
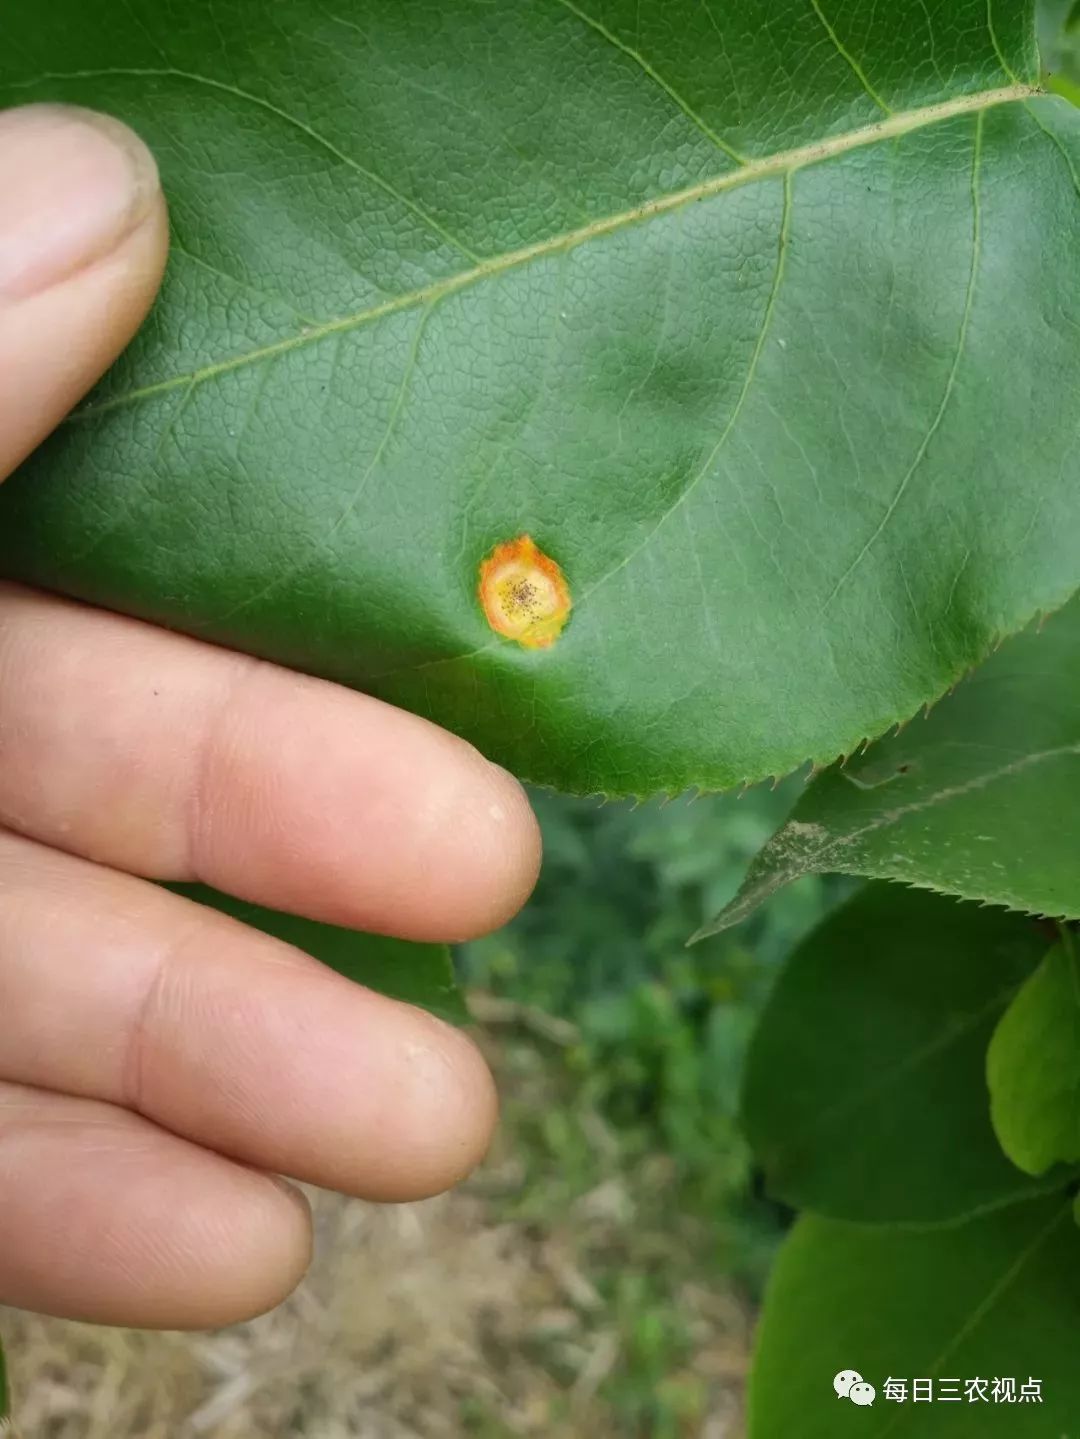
(980, 799)
(997, 1298)
(421, 974)
(1033, 1065)
(759, 320)
(1058, 28)
(865, 1095)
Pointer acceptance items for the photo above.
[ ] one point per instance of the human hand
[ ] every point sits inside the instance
(158, 1061)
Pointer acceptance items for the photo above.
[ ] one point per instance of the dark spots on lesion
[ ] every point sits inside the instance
(523, 596)
(523, 593)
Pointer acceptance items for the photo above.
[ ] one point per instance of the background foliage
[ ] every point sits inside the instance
(635, 1093)
(660, 1030)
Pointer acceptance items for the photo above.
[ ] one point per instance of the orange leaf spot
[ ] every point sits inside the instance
(524, 594)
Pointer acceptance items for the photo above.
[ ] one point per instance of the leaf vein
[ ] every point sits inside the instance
(657, 79)
(389, 430)
(1002, 61)
(268, 105)
(751, 373)
(846, 55)
(176, 248)
(885, 1079)
(190, 384)
(1055, 140)
(897, 125)
(986, 1304)
(950, 383)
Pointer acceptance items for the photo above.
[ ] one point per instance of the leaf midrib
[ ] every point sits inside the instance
(784, 162)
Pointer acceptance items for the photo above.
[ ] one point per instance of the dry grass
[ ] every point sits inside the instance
(419, 1322)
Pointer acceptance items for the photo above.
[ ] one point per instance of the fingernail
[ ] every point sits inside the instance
(73, 184)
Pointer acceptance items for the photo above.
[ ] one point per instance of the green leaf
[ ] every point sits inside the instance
(713, 310)
(1058, 28)
(1067, 88)
(981, 799)
(865, 1095)
(421, 974)
(1033, 1066)
(996, 1298)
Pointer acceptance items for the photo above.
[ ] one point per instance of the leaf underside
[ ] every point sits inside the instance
(758, 317)
(981, 799)
(421, 974)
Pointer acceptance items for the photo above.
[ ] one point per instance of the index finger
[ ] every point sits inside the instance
(175, 760)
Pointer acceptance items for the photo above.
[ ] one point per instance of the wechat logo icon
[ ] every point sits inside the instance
(849, 1384)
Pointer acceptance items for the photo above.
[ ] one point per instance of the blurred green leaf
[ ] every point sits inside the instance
(980, 799)
(5, 1400)
(1066, 87)
(1033, 1066)
(420, 974)
(998, 1297)
(1059, 44)
(866, 1093)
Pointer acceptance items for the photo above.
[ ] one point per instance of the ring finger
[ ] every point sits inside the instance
(106, 1218)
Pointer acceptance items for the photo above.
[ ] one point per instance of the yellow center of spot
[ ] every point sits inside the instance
(524, 594)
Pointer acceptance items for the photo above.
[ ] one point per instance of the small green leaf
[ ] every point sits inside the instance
(1066, 87)
(421, 974)
(723, 304)
(996, 1298)
(1058, 25)
(981, 799)
(1033, 1066)
(865, 1094)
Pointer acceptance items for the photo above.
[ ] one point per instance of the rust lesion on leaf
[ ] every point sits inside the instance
(524, 594)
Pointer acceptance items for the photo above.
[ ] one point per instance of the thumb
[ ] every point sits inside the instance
(83, 238)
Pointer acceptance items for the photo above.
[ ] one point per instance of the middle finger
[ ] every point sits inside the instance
(113, 989)
(157, 754)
